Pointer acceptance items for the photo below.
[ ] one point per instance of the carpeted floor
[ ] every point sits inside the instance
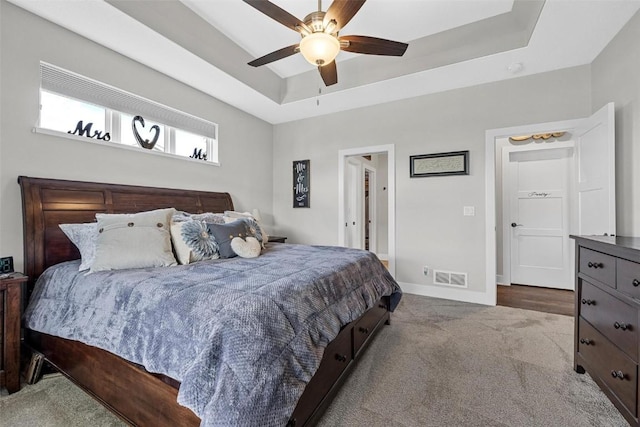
(440, 363)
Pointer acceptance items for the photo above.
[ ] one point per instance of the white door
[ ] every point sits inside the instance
(353, 180)
(596, 174)
(539, 214)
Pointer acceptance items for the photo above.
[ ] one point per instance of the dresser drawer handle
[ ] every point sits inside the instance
(622, 326)
(363, 330)
(586, 341)
(595, 264)
(341, 358)
(588, 301)
(617, 374)
(636, 282)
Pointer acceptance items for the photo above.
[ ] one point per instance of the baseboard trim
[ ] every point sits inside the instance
(383, 257)
(500, 279)
(447, 293)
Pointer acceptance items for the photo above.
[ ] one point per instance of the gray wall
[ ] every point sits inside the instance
(431, 229)
(616, 77)
(245, 141)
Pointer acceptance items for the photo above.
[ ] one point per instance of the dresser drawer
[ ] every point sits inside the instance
(628, 277)
(605, 361)
(599, 266)
(613, 318)
(367, 324)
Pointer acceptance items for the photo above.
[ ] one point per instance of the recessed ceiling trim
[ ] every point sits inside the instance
(501, 33)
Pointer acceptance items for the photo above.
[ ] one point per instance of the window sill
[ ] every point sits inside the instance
(119, 146)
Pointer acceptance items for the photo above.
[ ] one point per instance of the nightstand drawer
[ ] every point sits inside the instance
(628, 277)
(615, 319)
(610, 364)
(599, 266)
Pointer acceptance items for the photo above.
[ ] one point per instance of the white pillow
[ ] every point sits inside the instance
(134, 240)
(249, 248)
(84, 237)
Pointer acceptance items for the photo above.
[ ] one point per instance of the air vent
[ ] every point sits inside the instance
(450, 278)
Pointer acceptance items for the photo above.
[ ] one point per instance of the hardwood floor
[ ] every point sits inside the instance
(555, 301)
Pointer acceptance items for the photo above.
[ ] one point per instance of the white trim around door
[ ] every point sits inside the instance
(491, 136)
(389, 150)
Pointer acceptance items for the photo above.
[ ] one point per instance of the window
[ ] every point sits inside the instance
(61, 113)
(112, 115)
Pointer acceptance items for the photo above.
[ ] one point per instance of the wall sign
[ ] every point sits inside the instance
(439, 164)
(301, 186)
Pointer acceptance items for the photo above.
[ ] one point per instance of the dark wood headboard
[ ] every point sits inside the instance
(49, 202)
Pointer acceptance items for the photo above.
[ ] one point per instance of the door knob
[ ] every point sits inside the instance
(514, 225)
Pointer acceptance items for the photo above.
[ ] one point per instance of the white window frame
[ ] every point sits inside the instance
(67, 84)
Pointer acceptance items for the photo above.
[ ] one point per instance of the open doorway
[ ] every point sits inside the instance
(593, 184)
(365, 197)
(366, 206)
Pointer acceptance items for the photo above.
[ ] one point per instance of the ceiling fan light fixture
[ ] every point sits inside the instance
(319, 48)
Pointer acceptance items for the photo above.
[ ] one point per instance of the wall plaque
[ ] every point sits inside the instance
(301, 186)
(439, 164)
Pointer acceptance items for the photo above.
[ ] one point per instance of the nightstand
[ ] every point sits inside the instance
(277, 239)
(10, 304)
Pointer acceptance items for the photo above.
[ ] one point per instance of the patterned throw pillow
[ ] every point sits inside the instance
(84, 237)
(257, 229)
(193, 242)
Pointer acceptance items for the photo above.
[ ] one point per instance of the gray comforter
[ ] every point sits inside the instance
(243, 336)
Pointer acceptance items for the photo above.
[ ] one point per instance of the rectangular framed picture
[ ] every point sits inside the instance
(301, 184)
(439, 164)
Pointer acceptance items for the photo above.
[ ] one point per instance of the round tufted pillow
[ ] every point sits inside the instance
(249, 248)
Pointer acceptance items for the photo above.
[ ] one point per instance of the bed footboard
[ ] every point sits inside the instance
(143, 399)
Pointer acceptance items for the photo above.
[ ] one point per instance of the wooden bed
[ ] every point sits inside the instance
(137, 396)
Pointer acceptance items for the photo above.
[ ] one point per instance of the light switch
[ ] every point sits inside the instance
(469, 211)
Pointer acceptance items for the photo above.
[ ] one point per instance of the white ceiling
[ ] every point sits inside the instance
(452, 44)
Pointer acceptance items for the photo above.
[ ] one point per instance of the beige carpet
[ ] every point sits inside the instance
(439, 363)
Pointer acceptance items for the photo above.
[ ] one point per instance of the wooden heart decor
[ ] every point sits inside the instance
(144, 143)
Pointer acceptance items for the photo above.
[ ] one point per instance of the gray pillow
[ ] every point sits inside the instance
(224, 234)
(84, 237)
(134, 240)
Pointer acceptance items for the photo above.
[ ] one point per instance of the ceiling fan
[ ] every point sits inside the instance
(320, 42)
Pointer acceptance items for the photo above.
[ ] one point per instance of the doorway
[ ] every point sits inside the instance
(594, 189)
(380, 203)
(362, 191)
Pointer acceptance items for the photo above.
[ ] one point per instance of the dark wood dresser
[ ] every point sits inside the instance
(10, 310)
(606, 317)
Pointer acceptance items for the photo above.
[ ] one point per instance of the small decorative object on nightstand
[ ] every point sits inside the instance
(10, 304)
(277, 239)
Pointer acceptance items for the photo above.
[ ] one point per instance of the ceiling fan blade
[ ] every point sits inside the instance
(374, 46)
(329, 73)
(276, 13)
(274, 56)
(342, 11)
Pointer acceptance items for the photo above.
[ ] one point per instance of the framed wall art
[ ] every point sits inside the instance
(301, 184)
(439, 164)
